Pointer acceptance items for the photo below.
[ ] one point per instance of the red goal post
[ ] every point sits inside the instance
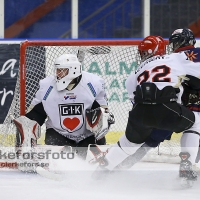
(123, 52)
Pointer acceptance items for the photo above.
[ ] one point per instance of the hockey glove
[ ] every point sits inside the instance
(98, 121)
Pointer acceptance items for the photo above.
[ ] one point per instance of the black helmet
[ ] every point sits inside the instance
(181, 38)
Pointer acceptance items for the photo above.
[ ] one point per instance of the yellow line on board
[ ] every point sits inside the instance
(111, 137)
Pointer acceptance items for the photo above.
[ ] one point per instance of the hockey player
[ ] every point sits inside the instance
(72, 104)
(156, 88)
(180, 40)
(183, 40)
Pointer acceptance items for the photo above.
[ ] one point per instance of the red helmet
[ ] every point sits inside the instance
(151, 46)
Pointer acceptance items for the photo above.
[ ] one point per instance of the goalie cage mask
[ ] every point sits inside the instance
(70, 62)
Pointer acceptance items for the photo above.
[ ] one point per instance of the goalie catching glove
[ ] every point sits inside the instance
(98, 121)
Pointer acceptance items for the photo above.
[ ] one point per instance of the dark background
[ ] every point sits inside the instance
(7, 51)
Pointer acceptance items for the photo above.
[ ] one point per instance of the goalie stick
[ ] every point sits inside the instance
(44, 172)
(98, 153)
(49, 175)
(98, 157)
(39, 170)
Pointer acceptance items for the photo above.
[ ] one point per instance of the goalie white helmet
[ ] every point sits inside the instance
(67, 68)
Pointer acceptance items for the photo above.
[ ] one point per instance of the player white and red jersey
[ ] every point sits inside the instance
(163, 71)
(66, 109)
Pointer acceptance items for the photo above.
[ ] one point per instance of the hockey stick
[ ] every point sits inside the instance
(39, 170)
(52, 175)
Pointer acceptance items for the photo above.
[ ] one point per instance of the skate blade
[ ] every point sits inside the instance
(185, 183)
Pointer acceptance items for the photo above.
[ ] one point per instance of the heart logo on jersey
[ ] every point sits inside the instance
(71, 123)
(71, 116)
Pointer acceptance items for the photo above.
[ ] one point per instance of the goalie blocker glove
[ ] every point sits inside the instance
(28, 131)
(98, 121)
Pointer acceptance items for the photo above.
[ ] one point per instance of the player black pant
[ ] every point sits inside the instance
(54, 138)
(158, 109)
(169, 116)
(157, 136)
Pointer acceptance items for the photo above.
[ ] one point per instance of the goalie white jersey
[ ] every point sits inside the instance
(163, 71)
(66, 109)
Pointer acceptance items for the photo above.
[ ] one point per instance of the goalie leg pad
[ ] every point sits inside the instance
(28, 131)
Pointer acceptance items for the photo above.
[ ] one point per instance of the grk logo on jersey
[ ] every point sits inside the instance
(71, 116)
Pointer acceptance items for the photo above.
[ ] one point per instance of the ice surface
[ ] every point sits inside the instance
(145, 181)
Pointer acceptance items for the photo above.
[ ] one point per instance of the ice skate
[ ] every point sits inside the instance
(187, 172)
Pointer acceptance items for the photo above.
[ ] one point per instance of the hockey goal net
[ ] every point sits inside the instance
(36, 62)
